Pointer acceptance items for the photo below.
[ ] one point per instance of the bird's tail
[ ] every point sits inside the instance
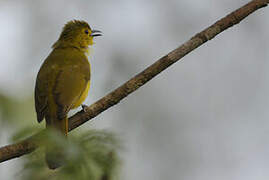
(54, 159)
(54, 155)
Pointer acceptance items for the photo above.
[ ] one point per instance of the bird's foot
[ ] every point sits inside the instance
(83, 106)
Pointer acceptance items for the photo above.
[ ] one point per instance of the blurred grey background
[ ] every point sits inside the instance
(206, 117)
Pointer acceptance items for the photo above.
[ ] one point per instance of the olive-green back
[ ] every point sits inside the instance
(61, 80)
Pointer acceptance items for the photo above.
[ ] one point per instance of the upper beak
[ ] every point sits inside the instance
(96, 33)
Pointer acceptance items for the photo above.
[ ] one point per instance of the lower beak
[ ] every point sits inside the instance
(96, 33)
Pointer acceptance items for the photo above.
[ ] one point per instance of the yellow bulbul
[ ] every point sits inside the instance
(63, 80)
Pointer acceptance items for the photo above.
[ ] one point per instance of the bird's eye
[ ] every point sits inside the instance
(86, 31)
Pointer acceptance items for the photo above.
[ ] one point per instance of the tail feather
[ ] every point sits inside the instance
(54, 156)
(54, 159)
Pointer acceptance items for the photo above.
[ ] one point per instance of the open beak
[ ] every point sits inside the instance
(96, 33)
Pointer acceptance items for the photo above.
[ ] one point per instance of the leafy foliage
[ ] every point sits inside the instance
(13, 109)
(92, 155)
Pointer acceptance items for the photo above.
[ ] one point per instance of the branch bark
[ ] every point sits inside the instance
(30, 144)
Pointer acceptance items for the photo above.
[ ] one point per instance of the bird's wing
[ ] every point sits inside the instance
(70, 83)
(41, 99)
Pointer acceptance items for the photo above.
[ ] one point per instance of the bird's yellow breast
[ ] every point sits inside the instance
(82, 97)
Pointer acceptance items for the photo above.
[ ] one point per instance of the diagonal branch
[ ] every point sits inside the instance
(30, 144)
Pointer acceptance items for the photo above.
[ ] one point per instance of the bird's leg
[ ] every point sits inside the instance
(83, 106)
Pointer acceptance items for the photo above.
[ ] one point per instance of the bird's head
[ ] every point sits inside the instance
(77, 34)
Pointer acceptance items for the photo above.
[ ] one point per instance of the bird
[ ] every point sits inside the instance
(63, 80)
